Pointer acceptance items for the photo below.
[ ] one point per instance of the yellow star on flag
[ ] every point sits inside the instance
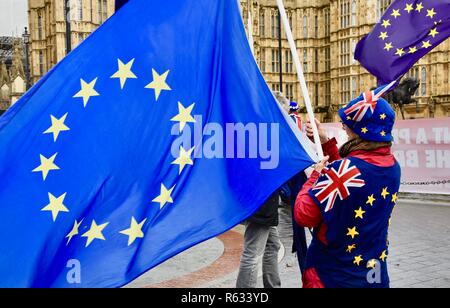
(87, 91)
(426, 44)
(135, 230)
(74, 231)
(386, 23)
(383, 35)
(388, 46)
(400, 52)
(56, 205)
(47, 165)
(396, 13)
(394, 198)
(385, 193)
(57, 127)
(184, 159)
(382, 116)
(409, 8)
(419, 7)
(358, 260)
(383, 256)
(370, 200)
(350, 248)
(95, 232)
(359, 213)
(164, 196)
(352, 232)
(124, 73)
(431, 13)
(412, 49)
(184, 115)
(383, 133)
(371, 263)
(364, 130)
(159, 83)
(434, 32)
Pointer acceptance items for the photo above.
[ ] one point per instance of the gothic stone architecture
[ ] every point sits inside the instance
(12, 75)
(326, 33)
(47, 23)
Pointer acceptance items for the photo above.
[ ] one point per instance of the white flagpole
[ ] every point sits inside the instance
(250, 27)
(301, 77)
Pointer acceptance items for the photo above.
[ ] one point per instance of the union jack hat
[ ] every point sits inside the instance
(370, 116)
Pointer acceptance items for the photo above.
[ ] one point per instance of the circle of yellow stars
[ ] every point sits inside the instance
(87, 92)
(410, 8)
(352, 232)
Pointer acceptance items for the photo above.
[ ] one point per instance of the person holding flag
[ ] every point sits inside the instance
(349, 203)
(290, 191)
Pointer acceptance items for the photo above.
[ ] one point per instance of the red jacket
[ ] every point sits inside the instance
(307, 212)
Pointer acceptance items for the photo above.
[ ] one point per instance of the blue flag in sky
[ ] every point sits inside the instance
(407, 31)
(156, 133)
(120, 3)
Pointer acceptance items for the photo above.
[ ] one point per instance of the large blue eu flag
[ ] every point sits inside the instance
(408, 30)
(155, 134)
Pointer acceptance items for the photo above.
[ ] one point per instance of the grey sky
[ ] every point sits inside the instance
(13, 17)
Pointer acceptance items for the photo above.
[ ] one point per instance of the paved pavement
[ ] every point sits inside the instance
(419, 254)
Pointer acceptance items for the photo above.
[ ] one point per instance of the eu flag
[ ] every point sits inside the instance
(155, 134)
(119, 4)
(405, 33)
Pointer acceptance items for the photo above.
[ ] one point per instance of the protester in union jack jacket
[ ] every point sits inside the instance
(349, 203)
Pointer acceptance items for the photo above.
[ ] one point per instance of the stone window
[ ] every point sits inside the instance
(289, 62)
(382, 6)
(423, 81)
(327, 22)
(39, 26)
(262, 24)
(80, 10)
(305, 27)
(345, 52)
(345, 13)
(327, 59)
(262, 60)
(345, 90)
(275, 61)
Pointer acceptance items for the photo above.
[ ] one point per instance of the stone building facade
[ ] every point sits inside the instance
(12, 73)
(47, 23)
(326, 33)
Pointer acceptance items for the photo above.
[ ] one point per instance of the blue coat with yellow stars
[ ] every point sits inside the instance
(356, 200)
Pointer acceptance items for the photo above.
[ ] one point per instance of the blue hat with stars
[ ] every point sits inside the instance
(370, 116)
(293, 106)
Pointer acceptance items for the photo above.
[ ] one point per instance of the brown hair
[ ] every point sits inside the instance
(359, 144)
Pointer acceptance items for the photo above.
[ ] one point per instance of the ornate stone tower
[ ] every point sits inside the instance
(18, 84)
(47, 23)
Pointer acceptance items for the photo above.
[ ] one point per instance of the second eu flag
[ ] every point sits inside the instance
(406, 32)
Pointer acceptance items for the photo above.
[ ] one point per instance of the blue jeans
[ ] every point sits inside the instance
(259, 242)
